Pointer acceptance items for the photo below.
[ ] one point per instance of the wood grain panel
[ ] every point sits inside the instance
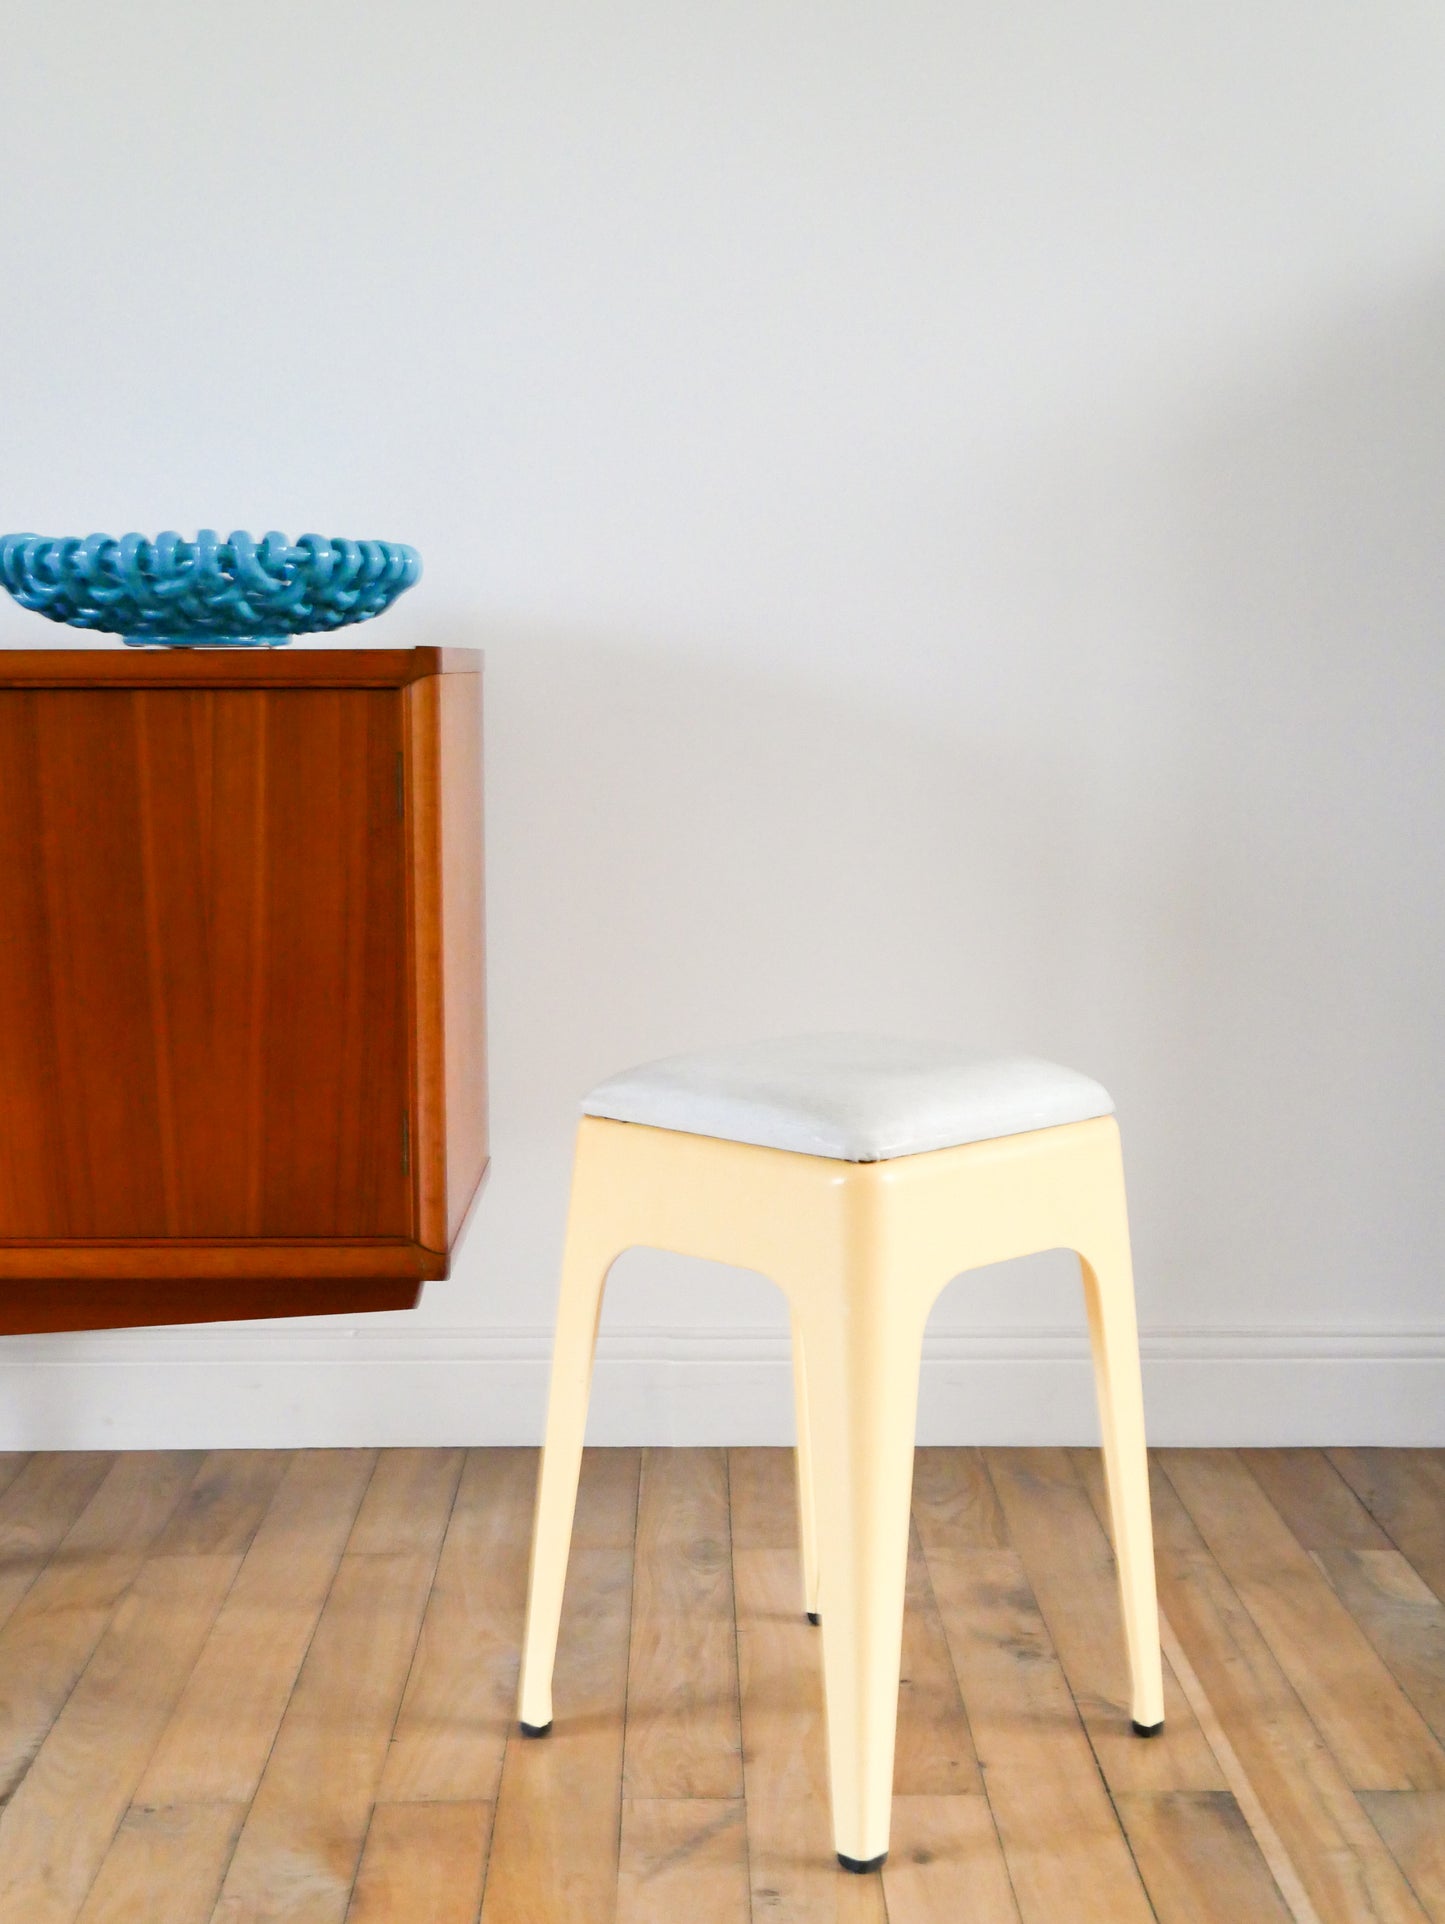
(332, 1017)
(78, 1087)
(219, 1295)
(297, 666)
(242, 1012)
(252, 1262)
(443, 722)
(202, 1015)
(463, 944)
(422, 772)
(32, 1144)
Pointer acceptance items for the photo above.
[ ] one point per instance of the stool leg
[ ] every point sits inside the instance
(585, 1263)
(863, 1401)
(803, 1458)
(1114, 1338)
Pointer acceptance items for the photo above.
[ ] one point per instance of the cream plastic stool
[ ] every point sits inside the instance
(861, 1175)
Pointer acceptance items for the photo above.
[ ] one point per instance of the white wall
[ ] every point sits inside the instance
(954, 500)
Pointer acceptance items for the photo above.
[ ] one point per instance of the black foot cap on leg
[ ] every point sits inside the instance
(862, 1865)
(813, 1617)
(1148, 1730)
(535, 1730)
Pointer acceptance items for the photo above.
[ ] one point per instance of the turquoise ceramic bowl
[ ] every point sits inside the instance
(238, 593)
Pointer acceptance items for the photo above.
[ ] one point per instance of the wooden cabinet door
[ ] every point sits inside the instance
(203, 955)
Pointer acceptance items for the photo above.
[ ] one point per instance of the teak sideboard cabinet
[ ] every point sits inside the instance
(242, 1035)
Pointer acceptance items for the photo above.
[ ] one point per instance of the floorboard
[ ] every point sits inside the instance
(59, 1823)
(554, 1854)
(1070, 1568)
(461, 1695)
(165, 1865)
(1404, 1490)
(1412, 1823)
(1302, 1786)
(945, 1863)
(216, 1743)
(1394, 1606)
(49, 1638)
(683, 1738)
(683, 1858)
(422, 1863)
(1373, 1731)
(298, 1852)
(273, 1687)
(37, 1509)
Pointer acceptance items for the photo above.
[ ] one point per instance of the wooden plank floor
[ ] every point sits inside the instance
(259, 1687)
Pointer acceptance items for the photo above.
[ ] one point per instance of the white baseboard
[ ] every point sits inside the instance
(300, 1385)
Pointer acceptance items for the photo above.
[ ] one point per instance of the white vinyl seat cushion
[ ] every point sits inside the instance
(852, 1098)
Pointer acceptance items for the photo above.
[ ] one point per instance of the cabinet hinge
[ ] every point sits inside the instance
(400, 786)
(405, 1143)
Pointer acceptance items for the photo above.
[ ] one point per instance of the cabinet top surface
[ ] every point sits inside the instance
(290, 667)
